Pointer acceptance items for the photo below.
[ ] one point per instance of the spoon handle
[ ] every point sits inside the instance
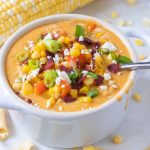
(135, 66)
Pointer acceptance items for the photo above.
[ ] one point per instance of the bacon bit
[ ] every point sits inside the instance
(80, 80)
(63, 68)
(29, 101)
(24, 62)
(69, 99)
(99, 80)
(43, 35)
(49, 54)
(49, 65)
(87, 68)
(114, 68)
(86, 42)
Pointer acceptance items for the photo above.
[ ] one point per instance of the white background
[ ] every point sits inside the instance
(135, 129)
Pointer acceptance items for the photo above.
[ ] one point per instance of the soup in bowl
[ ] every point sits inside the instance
(63, 74)
(67, 66)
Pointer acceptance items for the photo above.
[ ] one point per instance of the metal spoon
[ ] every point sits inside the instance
(135, 66)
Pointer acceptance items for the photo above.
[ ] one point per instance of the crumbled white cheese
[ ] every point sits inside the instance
(48, 37)
(111, 82)
(33, 74)
(24, 78)
(84, 72)
(96, 55)
(64, 76)
(107, 76)
(58, 81)
(49, 57)
(109, 46)
(17, 80)
(81, 39)
(30, 44)
(114, 61)
(82, 51)
(56, 58)
(25, 48)
(90, 50)
(63, 86)
(66, 52)
(114, 86)
(103, 87)
(48, 103)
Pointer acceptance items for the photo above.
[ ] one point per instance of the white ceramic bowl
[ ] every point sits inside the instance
(59, 129)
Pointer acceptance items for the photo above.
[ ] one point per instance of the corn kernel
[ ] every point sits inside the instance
(88, 81)
(84, 90)
(26, 69)
(54, 91)
(43, 54)
(17, 86)
(75, 52)
(99, 34)
(27, 88)
(102, 41)
(40, 46)
(142, 57)
(66, 40)
(137, 97)
(117, 139)
(51, 102)
(74, 93)
(85, 99)
(139, 42)
(114, 14)
(91, 147)
(131, 2)
(61, 39)
(78, 46)
(35, 55)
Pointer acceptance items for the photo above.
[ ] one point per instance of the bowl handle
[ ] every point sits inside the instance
(133, 32)
(6, 102)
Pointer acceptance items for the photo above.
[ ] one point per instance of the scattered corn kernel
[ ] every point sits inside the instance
(117, 139)
(99, 34)
(84, 90)
(74, 93)
(88, 81)
(43, 54)
(66, 40)
(137, 97)
(85, 99)
(114, 14)
(91, 147)
(75, 52)
(122, 23)
(17, 86)
(35, 55)
(146, 22)
(102, 41)
(142, 57)
(26, 69)
(131, 2)
(139, 42)
(51, 102)
(27, 88)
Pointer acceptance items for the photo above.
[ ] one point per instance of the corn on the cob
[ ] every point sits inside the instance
(15, 13)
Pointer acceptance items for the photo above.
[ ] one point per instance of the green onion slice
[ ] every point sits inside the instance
(79, 31)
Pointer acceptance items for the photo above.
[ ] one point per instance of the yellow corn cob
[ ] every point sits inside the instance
(15, 14)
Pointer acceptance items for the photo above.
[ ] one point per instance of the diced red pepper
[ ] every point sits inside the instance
(65, 88)
(40, 87)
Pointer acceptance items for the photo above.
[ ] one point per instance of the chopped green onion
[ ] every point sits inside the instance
(113, 56)
(93, 75)
(33, 64)
(104, 51)
(124, 60)
(79, 31)
(75, 74)
(50, 77)
(52, 45)
(22, 56)
(93, 93)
